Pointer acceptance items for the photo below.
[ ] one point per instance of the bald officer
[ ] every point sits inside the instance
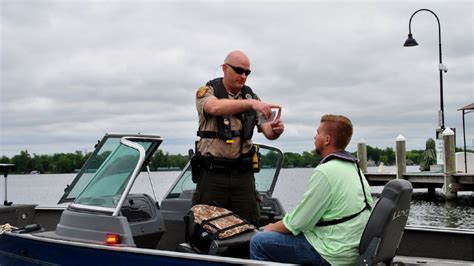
(228, 112)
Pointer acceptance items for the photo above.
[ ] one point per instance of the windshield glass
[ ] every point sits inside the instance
(90, 168)
(265, 179)
(109, 159)
(108, 184)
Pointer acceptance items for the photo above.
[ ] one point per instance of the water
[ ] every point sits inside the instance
(46, 190)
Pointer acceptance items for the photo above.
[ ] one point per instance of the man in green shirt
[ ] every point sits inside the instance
(327, 224)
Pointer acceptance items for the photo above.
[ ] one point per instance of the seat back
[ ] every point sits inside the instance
(384, 230)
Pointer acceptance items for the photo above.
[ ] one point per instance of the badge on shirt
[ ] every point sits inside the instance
(202, 91)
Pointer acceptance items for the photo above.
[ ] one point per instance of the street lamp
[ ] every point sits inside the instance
(412, 42)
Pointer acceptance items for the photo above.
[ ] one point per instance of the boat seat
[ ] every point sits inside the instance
(237, 246)
(384, 230)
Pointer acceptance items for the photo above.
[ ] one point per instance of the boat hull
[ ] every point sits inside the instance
(440, 243)
(27, 249)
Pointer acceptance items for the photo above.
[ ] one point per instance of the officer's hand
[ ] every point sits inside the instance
(264, 108)
(277, 126)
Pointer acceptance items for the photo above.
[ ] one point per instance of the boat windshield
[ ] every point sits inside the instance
(107, 172)
(108, 184)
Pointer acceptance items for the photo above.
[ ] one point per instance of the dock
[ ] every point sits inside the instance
(463, 182)
(449, 180)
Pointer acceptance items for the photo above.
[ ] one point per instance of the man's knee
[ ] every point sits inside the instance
(256, 239)
(256, 246)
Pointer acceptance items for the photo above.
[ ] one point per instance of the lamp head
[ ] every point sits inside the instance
(410, 41)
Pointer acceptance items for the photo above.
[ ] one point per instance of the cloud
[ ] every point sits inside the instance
(72, 71)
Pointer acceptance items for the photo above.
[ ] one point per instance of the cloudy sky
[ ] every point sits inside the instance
(72, 71)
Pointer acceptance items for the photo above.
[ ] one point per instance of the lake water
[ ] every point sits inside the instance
(46, 190)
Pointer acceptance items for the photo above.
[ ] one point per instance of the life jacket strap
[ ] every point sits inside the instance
(345, 156)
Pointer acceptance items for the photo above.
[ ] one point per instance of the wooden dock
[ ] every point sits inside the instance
(449, 180)
(463, 182)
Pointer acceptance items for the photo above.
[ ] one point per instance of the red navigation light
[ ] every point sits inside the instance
(112, 239)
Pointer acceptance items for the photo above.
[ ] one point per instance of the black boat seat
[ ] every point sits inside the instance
(221, 246)
(384, 230)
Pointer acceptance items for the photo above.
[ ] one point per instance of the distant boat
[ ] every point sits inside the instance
(35, 172)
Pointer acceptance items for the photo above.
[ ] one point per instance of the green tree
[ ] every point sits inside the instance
(23, 162)
(4, 159)
(269, 160)
(291, 160)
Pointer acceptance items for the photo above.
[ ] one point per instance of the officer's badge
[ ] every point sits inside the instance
(202, 91)
(248, 96)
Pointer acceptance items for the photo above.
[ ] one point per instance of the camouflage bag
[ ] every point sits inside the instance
(205, 223)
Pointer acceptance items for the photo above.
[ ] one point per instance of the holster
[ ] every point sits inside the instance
(195, 166)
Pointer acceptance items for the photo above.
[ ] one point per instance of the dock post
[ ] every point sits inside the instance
(449, 164)
(362, 155)
(401, 156)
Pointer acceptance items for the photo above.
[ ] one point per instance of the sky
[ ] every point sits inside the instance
(72, 71)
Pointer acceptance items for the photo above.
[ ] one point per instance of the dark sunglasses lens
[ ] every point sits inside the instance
(240, 70)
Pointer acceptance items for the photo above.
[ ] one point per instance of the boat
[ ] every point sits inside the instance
(101, 222)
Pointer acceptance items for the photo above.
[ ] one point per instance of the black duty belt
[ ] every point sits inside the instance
(214, 135)
(226, 165)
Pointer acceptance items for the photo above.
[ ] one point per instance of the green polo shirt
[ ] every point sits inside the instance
(333, 191)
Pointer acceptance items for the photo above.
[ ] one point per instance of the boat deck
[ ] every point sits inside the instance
(402, 260)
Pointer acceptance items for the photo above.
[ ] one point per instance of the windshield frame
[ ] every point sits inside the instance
(131, 141)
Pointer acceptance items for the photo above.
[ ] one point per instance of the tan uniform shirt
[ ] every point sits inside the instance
(216, 146)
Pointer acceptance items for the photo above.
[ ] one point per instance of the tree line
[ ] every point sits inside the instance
(25, 162)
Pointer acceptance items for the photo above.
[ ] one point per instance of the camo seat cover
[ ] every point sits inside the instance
(219, 220)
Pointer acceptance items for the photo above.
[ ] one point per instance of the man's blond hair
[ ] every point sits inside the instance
(339, 128)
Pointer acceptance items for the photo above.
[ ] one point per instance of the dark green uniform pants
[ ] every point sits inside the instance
(234, 190)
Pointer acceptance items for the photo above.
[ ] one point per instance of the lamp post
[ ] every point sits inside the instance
(412, 42)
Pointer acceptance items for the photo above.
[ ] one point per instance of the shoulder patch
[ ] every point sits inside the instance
(202, 91)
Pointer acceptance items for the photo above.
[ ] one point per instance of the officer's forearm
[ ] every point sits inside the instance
(218, 107)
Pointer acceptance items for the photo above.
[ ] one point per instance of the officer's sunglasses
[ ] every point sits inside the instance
(240, 70)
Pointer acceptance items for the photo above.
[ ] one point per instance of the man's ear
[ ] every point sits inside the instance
(328, 140)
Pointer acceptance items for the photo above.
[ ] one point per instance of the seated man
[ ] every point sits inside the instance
(327, 224)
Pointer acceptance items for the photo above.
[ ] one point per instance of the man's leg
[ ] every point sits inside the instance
(212, 189)
(243, 196)
(286, 248)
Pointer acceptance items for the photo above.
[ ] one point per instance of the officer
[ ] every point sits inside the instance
(226, 158)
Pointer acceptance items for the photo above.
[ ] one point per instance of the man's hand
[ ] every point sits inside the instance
(277, 227)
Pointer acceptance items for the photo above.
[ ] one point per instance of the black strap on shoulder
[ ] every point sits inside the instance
(219, 89)
(345, 156)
